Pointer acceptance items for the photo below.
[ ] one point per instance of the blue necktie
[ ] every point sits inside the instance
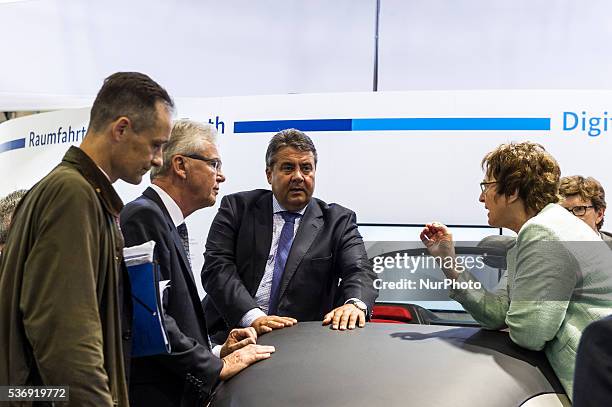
(282, 252)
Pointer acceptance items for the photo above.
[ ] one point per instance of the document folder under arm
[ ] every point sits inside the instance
(149, 335)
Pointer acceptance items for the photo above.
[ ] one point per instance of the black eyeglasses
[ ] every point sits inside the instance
(215, 163)
(484, 185)
(579, 210)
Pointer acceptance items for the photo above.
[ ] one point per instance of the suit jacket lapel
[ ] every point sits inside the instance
(192, 288)
(308, 230)
(176, 238)
(262, 236)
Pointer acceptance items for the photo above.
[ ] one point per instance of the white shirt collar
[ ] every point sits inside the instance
(173, 209)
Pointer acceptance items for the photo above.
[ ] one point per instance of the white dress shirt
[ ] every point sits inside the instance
(177, 218)
(173, 209)
(262, 297)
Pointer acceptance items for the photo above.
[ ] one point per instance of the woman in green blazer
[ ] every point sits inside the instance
(559, 274)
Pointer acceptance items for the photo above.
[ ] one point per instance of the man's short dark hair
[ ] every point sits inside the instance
(289, 138)
(130, 94)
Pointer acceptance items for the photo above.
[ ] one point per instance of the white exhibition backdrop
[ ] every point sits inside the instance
(408, 177)
(57, 52)
(59, 49)
(503, 44)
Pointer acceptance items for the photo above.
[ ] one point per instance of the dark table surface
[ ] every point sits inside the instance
(390, 365)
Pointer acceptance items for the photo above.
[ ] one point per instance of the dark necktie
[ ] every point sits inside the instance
(182, 231)
(282, 252)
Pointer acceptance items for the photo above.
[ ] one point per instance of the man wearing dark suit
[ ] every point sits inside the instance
(187, 181)
(593, 374)
(275, 257)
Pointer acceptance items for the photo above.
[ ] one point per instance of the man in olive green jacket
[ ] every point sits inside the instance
(60, 272)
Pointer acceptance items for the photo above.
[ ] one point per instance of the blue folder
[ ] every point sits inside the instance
(148, 331)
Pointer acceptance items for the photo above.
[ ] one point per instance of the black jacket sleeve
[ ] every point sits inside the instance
(220, 276)
(593, 375)
(188, 358)
(355, 268)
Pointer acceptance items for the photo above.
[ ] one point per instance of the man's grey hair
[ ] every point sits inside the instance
(187, 137)
(7, 207)
(289, 138)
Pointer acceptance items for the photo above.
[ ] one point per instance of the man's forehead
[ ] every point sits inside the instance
(290, 154)
(209, 149)
(158, 133)
(159, 136)
(163, 115)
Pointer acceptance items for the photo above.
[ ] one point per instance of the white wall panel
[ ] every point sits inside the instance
(482, 44)
(409, 176)
(193, 48)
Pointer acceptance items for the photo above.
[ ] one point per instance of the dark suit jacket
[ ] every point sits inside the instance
(326, 248)
(593, 374)
(191, 371)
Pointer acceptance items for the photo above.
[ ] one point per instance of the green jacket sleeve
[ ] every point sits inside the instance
(488, 308)
(532, 298)
(541, 289)
(59, 299)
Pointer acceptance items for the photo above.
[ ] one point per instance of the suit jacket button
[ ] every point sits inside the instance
(127, 335)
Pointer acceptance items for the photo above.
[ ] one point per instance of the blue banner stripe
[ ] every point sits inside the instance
(12, 145)
(411, 123)
(273, 126)
(452, 123)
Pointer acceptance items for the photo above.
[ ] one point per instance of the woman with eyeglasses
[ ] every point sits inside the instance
(558, 276)
(586, 199)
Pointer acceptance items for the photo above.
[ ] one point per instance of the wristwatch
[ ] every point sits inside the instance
(360, 305)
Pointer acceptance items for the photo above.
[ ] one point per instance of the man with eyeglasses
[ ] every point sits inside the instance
(586, 199)
(274, 258)
(188, 180)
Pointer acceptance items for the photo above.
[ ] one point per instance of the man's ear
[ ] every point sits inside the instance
(119, 128)
(269, 175)
(178, 166)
